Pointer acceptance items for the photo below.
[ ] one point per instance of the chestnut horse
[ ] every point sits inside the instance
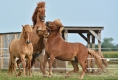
(57, 48)
(21, 48)
(39, 34)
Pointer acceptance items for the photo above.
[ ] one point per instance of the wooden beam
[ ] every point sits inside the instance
(99, 43)
(93, 47)
(66, 39)
(83, 28)
(66, 35)
(83, 37)
(93, 33)
(89, 56)
(1, 51)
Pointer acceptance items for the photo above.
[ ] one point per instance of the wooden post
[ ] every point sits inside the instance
(66, 39)
(99, 48)
(1, 51)
(89, 56)
(59, 63)
(93, 46)
(99, 43)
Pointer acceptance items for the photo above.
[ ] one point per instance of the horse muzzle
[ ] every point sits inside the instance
(42, 18)
(47, 23)
(28, 42)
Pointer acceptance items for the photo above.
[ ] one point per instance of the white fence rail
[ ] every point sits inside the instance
(4, 61)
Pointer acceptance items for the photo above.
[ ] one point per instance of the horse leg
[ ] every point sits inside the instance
(84, 67)
(45, 62)
(50, 65)
(75, 66)
(29, 65)
(40, 58)
(18, 64)
(23, 63)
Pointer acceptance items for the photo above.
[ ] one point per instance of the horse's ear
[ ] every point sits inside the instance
(61, 28)
(22, 25)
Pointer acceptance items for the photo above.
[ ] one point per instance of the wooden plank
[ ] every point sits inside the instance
(15, 36)
(99, 43)
(93, 33)
(66, 35)
(83, 36)
(83, 27)
(66, 39)
(89, 56)
(1, 51)
(93, 46)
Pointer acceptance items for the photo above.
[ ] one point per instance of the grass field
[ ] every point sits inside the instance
(109, 75)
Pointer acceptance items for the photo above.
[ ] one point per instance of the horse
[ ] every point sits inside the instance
(21, 48)
(57, 47)
(39, 35)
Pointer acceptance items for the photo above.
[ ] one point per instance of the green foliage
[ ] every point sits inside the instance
(107, 45)
(110, 54)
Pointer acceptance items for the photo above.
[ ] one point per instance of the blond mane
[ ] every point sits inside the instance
(58, 23)
(39, 5)
(26, 28)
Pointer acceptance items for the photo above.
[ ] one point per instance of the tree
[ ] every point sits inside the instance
(107, 44)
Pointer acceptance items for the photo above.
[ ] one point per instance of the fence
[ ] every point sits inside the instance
(113, 61)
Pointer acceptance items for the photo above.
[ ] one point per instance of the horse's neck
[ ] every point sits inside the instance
(22, 39)
(35, 39)
(54, 37)
(39, 22)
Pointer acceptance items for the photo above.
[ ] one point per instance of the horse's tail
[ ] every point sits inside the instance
(104, 61)
(11, 66)
(98, 60)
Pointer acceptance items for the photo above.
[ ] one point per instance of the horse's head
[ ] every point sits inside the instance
(39, 13)
(38, 18)
(27, 30)
(56, 25)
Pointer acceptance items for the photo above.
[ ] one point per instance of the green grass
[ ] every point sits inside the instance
(110, 74)
(110, 54)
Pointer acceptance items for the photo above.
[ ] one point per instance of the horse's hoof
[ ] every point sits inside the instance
(16, 75)
(66, 76)
(44, 75)
(30, 75)
(49, 76)
(19, 73)
(80, 78)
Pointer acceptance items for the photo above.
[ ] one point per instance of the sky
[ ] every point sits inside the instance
(14, 13)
